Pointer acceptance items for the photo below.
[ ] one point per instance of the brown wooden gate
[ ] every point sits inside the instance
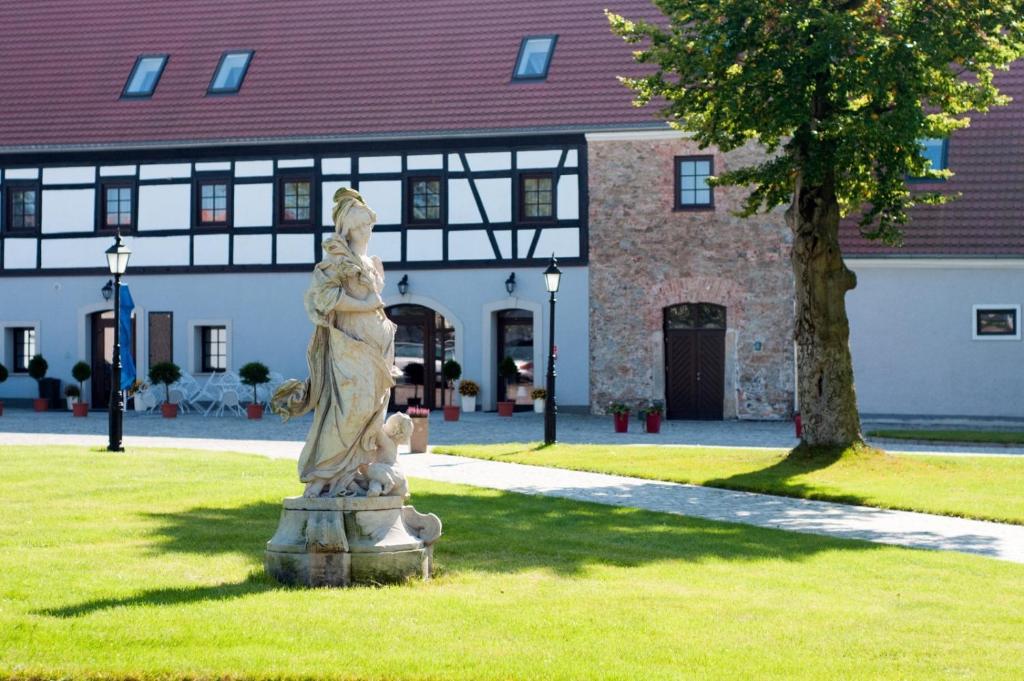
(694, 361)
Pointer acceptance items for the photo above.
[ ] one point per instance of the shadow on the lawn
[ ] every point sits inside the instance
(488, 531)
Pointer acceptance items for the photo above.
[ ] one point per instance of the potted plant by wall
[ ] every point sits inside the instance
(650, 415)
(420, 429)
(468, 390)
(254, 374)
(620, 415)
(509, 373)
(539, 397)
(414, 376)
(451, 371)
(166, 373)
(81, 372)
(3, 377)
(71, 394)
(37, 368)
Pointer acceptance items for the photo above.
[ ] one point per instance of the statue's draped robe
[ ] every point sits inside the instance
(350, 358)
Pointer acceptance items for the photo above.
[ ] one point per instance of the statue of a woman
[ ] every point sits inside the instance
(350, 356)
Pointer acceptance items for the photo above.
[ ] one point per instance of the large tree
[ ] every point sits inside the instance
(840, 93)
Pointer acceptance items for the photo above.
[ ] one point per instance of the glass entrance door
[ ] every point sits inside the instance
(515, 340)
(424, 340)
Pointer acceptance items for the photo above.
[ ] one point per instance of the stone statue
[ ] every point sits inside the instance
(350, 524)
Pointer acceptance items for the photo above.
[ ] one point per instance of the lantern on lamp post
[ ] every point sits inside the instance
(117, 262)
(552, 278)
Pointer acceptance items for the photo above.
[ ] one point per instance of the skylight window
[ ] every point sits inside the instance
(144, 76)
(534, 57)
(230, 71)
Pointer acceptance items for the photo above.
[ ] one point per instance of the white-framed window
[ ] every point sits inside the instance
(19, 342)
(995, 322)
(210, 342)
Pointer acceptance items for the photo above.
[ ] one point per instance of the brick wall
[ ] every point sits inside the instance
(644, 256)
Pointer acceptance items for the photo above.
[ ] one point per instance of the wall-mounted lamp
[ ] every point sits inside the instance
(403, 284)
(108, 290)
(510, 283)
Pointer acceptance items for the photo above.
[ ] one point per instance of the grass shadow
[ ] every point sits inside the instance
(777, 479)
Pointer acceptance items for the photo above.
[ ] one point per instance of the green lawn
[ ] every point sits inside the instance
(998, 437)
(148, 565)
(988, 488)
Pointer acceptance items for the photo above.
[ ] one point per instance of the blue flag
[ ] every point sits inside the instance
(125, 334)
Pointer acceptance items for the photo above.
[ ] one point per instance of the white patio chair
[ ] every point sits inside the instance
(148, 399)
(229, 400)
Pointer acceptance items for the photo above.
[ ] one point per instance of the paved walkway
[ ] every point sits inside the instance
(476, 428)
(901, 528)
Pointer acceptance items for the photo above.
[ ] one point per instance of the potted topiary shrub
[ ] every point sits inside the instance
(71, 394)
(650, 415)
(414, 376)
(81, 372)
(3, 377)
(451, 371)
(468, 390)
(166, 373)
(509, 373)
(420, 429)
(539, 397)
(37, 368)
(620, 415)
(254, 374)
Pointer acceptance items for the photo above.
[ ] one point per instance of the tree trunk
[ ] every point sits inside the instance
(828, 403)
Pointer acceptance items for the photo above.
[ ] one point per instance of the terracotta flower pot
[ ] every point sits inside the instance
(254, 411)
(506, 408)
(420, 434)
(169, 410)
(451, 413)
(653, 423)
(80, 409)
(621, 422)
(41, 404)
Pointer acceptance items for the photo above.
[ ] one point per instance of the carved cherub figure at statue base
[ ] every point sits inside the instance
(349, 526)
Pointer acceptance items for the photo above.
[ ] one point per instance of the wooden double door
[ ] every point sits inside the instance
(101, 325)
(694, 361)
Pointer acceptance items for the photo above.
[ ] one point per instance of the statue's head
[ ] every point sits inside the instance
(351, 214)
(398, 427)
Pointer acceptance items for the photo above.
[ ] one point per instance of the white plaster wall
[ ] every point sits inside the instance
(252, 249)
(295, 163)
(336, 166)
(68, 210)
(19, 254)
(159, 251)
(568, 197)
(214, 165)
(523, 241)
(254, 168)
(327, 190)
(21, 174)
(424, 244)
(911, 337)
(425, 162)
(164, 171)
(491, 160)
(470, 244)
(547, 158)
(294, 248)
(461, 204)
(84, 252)
(116, 171)
(564, 242)
(388, 245)
(384, 197)
(254, 205)
(504, 239)
(380, 164)
(73, 175)
(242, 300)
(211, 249)
(164, 206)
(496, 195)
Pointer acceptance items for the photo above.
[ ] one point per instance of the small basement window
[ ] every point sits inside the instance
(534, 57)
(144, 76)
(230, 72)
(996, 322)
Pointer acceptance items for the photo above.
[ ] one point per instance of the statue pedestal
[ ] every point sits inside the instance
(341, 541)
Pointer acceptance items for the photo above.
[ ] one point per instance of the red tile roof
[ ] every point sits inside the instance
(988, 220)
(321, 69)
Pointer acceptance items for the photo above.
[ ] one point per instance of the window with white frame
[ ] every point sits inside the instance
(213, 348)
(996, 322)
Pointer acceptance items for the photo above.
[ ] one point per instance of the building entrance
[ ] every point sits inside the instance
(101, 336)
(424, 340)
(694, 361)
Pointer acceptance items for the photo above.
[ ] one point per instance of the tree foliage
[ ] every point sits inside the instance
(839, 92)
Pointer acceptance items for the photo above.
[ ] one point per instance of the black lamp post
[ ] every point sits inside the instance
(117, 261)
(552, 277)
